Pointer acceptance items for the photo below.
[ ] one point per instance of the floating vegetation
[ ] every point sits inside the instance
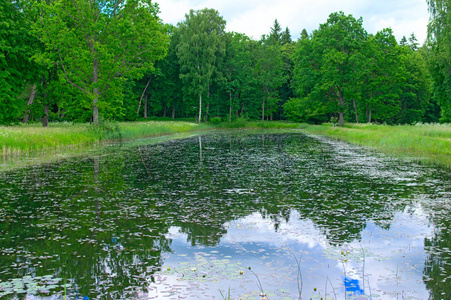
(311, 217)
(39, 285)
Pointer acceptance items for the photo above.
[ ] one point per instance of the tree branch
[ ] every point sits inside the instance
(67, 77)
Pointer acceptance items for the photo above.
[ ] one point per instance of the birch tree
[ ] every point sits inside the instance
(202, 43)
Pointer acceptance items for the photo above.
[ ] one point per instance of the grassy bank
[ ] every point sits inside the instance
(427, 142)
(16, 141)
(258, 124)
(32, 139)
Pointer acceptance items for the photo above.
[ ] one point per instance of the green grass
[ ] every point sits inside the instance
(423, 141)
(132, 130)
(426, 142)
(30, 144)
(258, 124)
(27, 138)
(16, 141)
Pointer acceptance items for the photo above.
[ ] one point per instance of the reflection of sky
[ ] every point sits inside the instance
(387, 263)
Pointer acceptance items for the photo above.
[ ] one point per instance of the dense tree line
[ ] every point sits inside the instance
(81, 60)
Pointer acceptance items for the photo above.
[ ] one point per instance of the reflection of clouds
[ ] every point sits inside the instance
(385, 262)
(255, 229)
(394, 259)
(175, 232)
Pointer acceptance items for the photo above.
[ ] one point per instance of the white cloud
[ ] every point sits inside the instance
(255, 17)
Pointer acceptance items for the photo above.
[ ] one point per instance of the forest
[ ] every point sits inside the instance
(94, 60)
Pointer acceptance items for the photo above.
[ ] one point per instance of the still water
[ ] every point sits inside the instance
(227, 216)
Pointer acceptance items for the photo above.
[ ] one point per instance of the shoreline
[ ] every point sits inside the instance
(426, 143)
(31, 144)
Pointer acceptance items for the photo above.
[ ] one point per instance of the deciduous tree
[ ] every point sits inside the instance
(202, 43)
(99, 42)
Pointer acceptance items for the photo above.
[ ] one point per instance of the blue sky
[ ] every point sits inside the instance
(255, 17)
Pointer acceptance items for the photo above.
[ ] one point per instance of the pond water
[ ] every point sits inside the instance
(227, 215)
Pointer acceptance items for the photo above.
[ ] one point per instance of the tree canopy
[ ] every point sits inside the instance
(87, 60)
(98, 43)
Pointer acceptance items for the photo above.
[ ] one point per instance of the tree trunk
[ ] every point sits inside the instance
(62, 112)
(146, 99)
(341, 104)
(355, 109)
(230, 107)
(370, 108)
(95, 77)
(208, 103)
(30, 102)
(165, 108)
(142, 94)
(200, 107)
(45, 119)
(263, 109)
(173, 112)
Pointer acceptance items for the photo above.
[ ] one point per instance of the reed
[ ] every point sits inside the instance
(23, 140)
(425, 142)
(240, 123)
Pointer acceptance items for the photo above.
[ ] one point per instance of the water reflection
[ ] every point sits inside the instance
(187, 218)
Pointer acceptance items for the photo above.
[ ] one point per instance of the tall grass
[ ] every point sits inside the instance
(241, 123)
(430, 142)
(132, 130)
(16, 141)
(424, 141)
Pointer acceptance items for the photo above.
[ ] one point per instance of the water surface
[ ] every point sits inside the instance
(281, 216)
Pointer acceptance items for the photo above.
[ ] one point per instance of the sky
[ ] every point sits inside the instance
(256, 17)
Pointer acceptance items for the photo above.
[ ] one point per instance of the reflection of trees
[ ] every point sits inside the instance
(102, 221)
(72, 220)
(438, 261)
(238, 176)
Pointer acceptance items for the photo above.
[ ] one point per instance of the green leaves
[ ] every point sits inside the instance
(16, 47)
(202, 45)
(328, 64)
(96, 43)
(357, 76)
(440, 54)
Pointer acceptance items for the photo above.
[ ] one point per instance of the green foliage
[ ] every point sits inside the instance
(16, 47)
(305, 110)
(111, 60)
(429, 142)
(440, 54)
(215, 120)
(340, 70)
(385, 77)
(202, 44)
(269, 75)
(236, 72)
(105, 42)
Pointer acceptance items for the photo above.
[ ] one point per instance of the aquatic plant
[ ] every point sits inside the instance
(425, 142)
(38, 285)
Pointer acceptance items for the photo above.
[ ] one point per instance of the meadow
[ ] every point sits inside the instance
(32, 139)
(424, 142)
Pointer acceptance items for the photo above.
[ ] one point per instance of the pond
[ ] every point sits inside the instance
(227, 216)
